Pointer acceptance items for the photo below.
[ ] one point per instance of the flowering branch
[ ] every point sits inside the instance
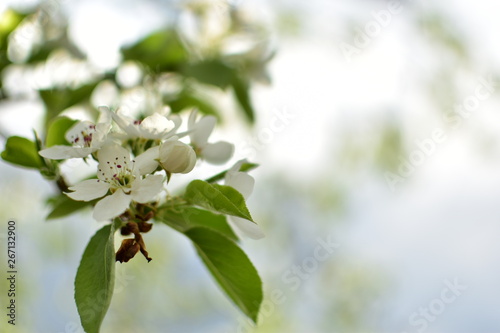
(138, 154)
(136, 159)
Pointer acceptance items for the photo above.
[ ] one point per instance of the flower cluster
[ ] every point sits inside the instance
(136, 159)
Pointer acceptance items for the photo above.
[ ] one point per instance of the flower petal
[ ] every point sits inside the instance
(237, 166)
(240, 181)
(110, 152)
(112, 158)
(155, 126)
(192, 119)
(111, 206)
(177, 123)
(126, 124)
(202, 130)
(105, 116)
(75, 135)
(243, 227)
(99, 136)
(88, 190)
(176, 156)
(192, 162)
(64, 152)
(145, 190)
(147, 162)
(218, 153)
(176, 120)
(164, 111)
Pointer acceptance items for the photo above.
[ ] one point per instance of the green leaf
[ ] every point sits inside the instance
(183, 219)
(9, 21)
(42, 53)
(213, 72)
(64, 206)
(219, 198)
(95, 279)
(57, 131)
(231, 268)
(23, 152)
(244, 167)
(58, 100)
(160, 51)
(188, 100)
(241, 89)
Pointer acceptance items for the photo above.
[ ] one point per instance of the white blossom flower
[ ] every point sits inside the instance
(154, 127)
(85, 137)
(215, 153)
(244, 184)
(176, 156)
(122, 178)
(173, 155)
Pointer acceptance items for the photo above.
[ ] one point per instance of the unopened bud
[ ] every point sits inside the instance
(177, 157)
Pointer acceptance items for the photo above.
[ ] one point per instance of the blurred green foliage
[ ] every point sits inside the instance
(39, 39)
